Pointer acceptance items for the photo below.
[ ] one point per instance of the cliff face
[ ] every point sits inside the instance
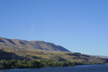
(29, 45)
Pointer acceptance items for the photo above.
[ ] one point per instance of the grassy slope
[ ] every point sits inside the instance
(56, 55)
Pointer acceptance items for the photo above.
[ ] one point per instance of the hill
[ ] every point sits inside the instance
(29, 45)
(50, 55)
(39, 50)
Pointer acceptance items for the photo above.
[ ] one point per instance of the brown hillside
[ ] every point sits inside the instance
(29, 45)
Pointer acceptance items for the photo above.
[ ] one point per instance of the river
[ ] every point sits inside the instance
(79, 68)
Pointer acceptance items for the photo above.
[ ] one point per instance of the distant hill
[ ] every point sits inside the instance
(29, 45)
(100, 56)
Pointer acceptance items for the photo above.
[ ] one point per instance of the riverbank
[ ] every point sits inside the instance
(8, 64)
(78, 68)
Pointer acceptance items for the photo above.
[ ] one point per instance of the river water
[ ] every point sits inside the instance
(80, 68)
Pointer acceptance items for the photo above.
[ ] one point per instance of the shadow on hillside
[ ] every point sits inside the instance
(11, 56)
(105, 60)
(57, 58)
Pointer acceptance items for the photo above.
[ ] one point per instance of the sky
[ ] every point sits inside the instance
(77, 25)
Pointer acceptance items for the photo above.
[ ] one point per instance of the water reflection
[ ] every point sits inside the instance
(81, 68)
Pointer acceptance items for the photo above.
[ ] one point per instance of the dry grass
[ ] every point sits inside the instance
(55, 55)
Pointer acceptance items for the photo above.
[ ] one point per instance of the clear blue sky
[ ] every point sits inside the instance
(78, 25)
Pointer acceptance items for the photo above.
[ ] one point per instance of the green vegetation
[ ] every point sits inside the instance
(35, 57)
(7, 64)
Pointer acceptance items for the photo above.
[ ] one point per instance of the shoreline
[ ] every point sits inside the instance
(55, 67)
